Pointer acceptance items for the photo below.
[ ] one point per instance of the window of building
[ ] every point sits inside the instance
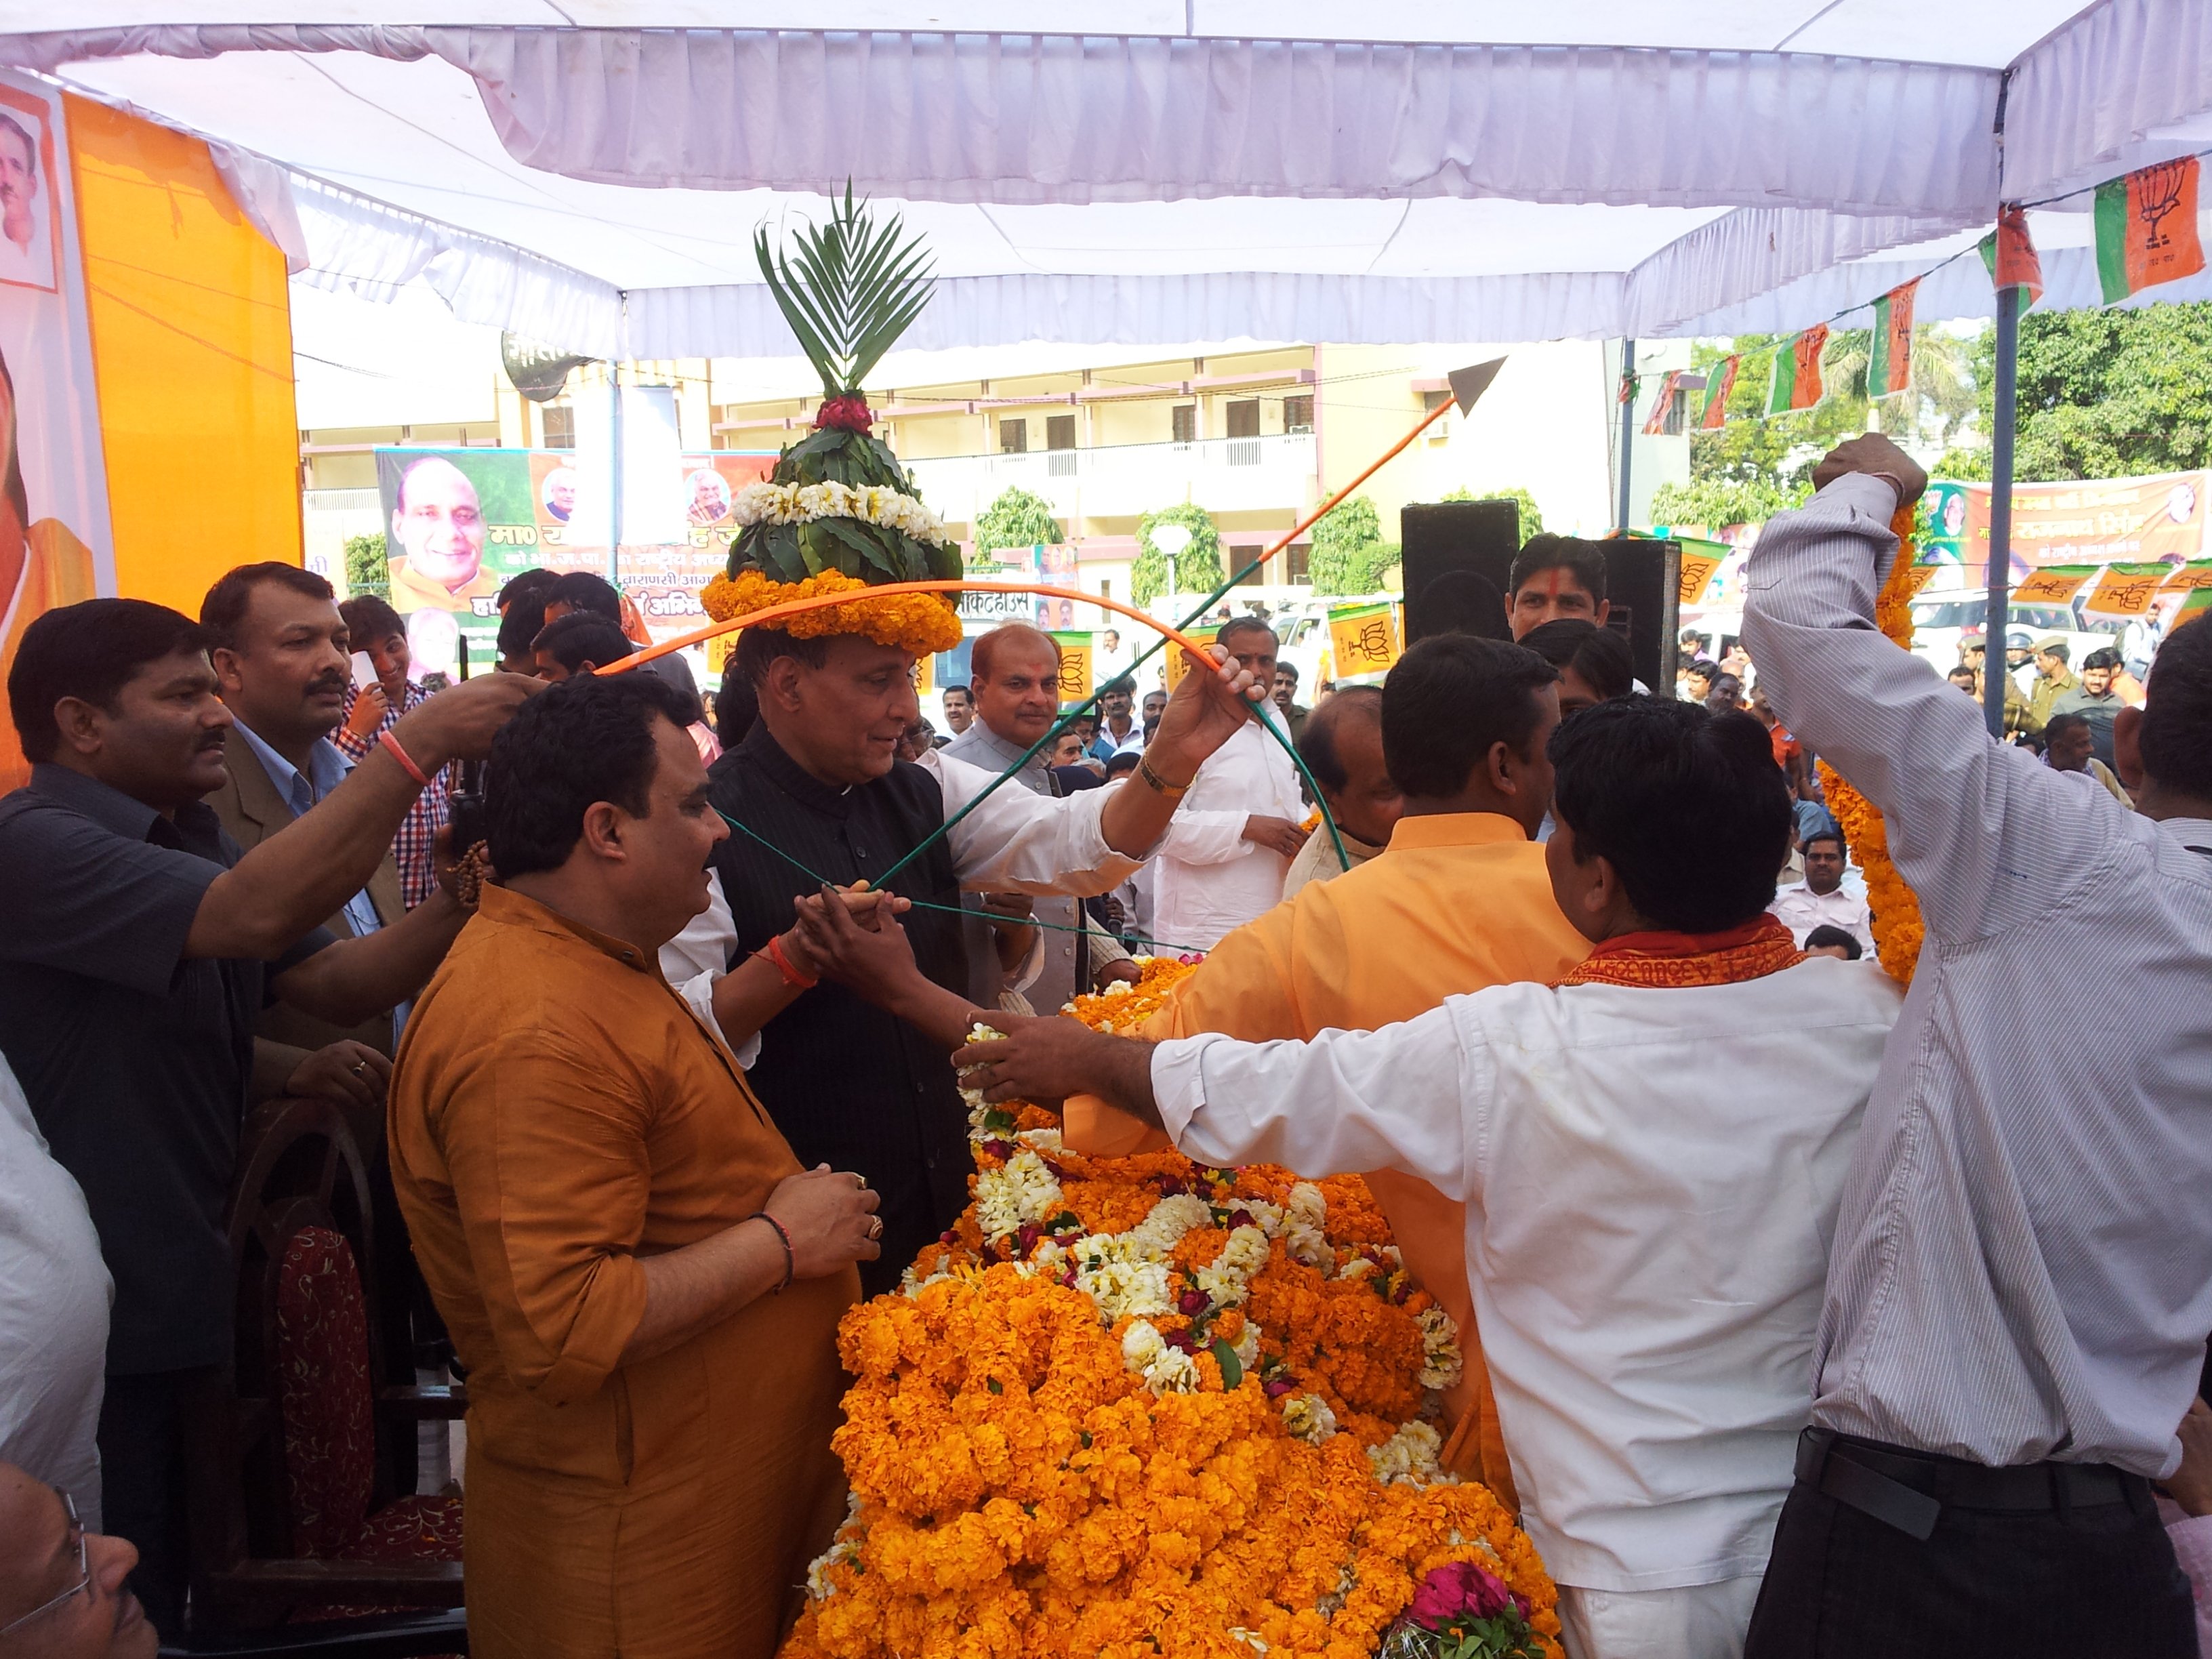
(1298, 413)
(558, 423)
(1237, 557)
(1432, 401)
(1184, 423)
(1014, 436)
(1298, 560)
(1105, 587)
(1060, 432)
(1244, 418)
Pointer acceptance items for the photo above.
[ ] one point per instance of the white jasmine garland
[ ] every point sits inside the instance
(1022, 1193)
(1408, 1458)
(1308, 1416)
(845, 1547)
(1165, 1370)
(1441, 1363)
(1304, 1218)
(775, 503)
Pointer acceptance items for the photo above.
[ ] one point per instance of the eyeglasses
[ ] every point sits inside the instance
(83, 1585)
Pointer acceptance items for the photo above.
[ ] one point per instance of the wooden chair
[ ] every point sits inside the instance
(297, 1546)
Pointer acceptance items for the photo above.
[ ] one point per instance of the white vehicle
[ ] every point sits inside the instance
(1940, 619)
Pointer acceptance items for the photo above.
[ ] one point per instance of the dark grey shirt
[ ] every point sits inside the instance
(134, 1057)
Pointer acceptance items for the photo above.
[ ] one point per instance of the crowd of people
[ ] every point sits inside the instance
(1801, 1314)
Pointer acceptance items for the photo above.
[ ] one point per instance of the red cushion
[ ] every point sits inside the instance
(413, 1528)
(323, 1395)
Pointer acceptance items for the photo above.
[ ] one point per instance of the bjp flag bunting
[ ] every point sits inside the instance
(1719, 382)
(2193, 609)
(1663, 404)
(2055, 584)
(2188, 577)
(1176, 667)
(1796, 382)
(2010, 256)
(2147, 228)
(2125, 590)
(1074, 666)
(1889, 370)
(1363, 639)
(1698, 561)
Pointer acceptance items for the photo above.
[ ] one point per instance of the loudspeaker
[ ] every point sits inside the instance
(1464, 552)
(1459, 568)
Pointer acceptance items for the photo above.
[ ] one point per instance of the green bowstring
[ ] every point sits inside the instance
(927, 904)
(1329, 818)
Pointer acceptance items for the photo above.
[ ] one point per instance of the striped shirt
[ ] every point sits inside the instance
(414, 849)
(2022, 1269)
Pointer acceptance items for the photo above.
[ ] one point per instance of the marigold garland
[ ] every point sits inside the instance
(1238, 1464)
(922, 623)
(1899, 932)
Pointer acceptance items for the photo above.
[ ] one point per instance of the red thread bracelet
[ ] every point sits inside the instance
(390, 744)
(790, 1261)
(791, 974)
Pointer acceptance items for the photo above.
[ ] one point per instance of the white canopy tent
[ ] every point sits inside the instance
(590, 174)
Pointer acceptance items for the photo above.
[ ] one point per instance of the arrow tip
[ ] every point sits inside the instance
(1469, 384)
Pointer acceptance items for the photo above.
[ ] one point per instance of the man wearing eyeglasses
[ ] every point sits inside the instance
(61, 1587)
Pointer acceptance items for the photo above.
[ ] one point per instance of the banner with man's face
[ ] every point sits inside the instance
(460, 523)
(55, 548)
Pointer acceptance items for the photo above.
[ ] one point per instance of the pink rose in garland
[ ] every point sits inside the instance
(1462, 1611)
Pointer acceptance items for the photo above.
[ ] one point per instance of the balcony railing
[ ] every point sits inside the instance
(1223, 475)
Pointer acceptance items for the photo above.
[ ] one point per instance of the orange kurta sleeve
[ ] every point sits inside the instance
(544, 1143)
(1242, 989)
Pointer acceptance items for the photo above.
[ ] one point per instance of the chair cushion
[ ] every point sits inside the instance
(412, 1528)
(325, 1399)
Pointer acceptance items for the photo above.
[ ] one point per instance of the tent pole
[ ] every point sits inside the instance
(614, 497)
(1995, 673)
(1627, 427)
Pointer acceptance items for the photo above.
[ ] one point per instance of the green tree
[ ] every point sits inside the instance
(1198, 567)
(1016, 518)
(1715, 503)
(366, 570)
(1347, 545)
(1777, 452)
(1532, 519)
(2106, 394)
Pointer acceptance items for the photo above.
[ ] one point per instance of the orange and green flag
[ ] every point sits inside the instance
(2147, 228)
(1720, 380)
(2010, 254)
(1889, 370)
(1796, 382)
(1663, 404)
(2194, 608)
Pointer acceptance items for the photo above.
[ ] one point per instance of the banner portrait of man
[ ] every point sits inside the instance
(27, 239)
(438, 540)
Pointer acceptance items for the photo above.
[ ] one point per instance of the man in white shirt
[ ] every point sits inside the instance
(1231, 844)
(2018, 1293)
(1652, 1154)
(1819, 900)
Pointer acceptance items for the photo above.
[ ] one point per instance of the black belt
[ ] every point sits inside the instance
(1909, 1490)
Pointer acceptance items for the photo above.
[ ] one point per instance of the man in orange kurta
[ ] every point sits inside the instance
(1459, 901)
(643, 1285)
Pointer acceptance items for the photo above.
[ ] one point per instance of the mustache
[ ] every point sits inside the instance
(336, 680)
(213, 739)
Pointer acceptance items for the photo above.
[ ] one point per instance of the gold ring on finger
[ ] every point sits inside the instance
(876, 1227)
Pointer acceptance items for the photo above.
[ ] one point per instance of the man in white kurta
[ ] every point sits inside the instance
(1224, 857)
(1652, 1154)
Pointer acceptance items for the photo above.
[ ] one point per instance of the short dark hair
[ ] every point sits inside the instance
(1122, 763)
(1687, 807)
(580, 637)
(90, 650)
(2104, 658)
(1126, 687)
(962, 687)
(1584, 561)
(583, 740)
(1458, 602)
(1290, 669)
(2177, 718)
(759, 647)
(1317, 743)
(1246, 624)
(1704, 669)
(1827, 934)
(1843, 846)
(2059, 725)
(1953, 674)
(1599, 655)
(224, 610)
(526, 587)
(588, 592)
(367, 618)
(737, 706)
(1448, 700)
(1006, 636)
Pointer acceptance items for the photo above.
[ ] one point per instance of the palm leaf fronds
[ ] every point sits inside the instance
(848, 289)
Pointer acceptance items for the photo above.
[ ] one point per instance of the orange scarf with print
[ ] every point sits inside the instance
(1754, 951)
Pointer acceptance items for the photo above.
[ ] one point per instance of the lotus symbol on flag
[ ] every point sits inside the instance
(2162, 193)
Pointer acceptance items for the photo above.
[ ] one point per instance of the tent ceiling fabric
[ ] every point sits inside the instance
(1650, 169)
